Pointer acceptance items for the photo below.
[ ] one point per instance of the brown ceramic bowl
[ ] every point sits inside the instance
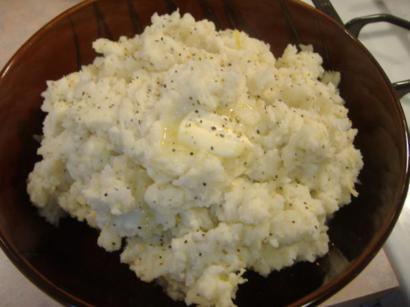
(66, 263)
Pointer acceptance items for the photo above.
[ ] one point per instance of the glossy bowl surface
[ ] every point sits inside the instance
(67, 264)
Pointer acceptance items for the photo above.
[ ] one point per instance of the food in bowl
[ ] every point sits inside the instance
(198, 154)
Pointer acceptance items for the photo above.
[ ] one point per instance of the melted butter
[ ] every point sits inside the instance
(211, 132)
(169, 135)
(164, 136)
(233, 110)
(245, 106)
(170, 142)
(237, 38)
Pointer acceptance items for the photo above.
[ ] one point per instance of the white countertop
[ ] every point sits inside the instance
(15, 289)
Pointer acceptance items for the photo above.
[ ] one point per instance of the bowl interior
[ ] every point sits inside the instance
(67, 263)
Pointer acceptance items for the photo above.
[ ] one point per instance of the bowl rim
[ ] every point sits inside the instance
(313, 298)
(24, 266)
(360, 263)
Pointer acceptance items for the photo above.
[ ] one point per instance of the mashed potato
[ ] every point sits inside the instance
(198, 154)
